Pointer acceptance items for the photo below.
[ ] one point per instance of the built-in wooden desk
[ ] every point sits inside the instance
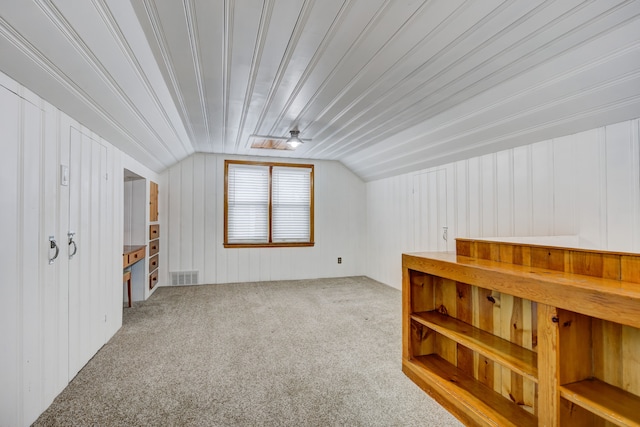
(132, 254)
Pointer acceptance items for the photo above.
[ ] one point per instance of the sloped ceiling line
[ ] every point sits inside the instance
(547, 48)
(303, 17)
(30, 51)
(361, 37)
(261, 37)
(192, 29)
(559, 100)
(429, 79)
(56, 17)
(113, 27)
(432, 159)
(523, 94)
(317, 55)
(158, 33)
(375, 85)
(373, 126)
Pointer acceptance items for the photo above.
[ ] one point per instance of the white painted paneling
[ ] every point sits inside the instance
(174, 212)
(522, 195)
(488, 199)
(113, 239)
(135, 212)
(89, 306)
(589, 195)
(474, 196)
(185, 255)
(583, 187)
(198, 213)
(460, 204)
(29, 244)
(504, 191)
(620, 185)
(38, 299)
(429, 219)
(564, 184)
(212, 223)
(55, 345)
(195, 227)
(542, 188)
(10, 296)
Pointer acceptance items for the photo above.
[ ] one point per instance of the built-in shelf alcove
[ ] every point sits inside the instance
(135, 235)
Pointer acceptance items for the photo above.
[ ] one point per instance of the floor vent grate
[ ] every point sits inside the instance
(184, 278)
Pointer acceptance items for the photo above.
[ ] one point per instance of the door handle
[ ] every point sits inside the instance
(75, 247)
(53, 245)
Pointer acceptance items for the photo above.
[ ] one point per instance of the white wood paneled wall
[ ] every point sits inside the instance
(195, 207)
(136, 217)
(53, 318)
(585, 185)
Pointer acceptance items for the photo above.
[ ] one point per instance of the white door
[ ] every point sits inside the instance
(23, 253)
(430, 211)
(33, 290)
(88, 305)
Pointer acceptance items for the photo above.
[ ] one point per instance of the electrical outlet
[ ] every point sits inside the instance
(339, 260)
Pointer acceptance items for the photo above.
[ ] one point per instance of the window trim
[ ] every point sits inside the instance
(269, 244)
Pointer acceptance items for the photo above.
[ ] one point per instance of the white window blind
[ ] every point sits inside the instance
(291, 200)
(248, 204)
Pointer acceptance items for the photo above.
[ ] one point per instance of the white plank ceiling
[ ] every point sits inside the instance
(384, 86)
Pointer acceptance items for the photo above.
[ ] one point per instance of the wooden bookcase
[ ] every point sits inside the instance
(525, 335)
(154, 235)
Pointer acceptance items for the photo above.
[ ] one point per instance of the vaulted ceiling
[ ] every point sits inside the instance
(383, 86)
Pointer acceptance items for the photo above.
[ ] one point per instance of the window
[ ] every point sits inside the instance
(268, 204)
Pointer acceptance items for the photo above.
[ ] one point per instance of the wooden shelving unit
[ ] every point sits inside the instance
(513, 334)
(154, 235)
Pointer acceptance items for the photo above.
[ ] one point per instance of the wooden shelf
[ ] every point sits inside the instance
(575, 292)
(519, 359)
(479, 404)
(580, 311)
(606, 401)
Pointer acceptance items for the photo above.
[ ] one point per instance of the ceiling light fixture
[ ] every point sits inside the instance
(294, 141)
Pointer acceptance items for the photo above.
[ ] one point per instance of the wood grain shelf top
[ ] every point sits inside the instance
(519, 359)
(580, 293)
(479, 403)
(611, 403)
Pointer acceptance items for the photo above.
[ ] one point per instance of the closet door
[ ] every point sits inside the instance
(33, 311)
(88, 305)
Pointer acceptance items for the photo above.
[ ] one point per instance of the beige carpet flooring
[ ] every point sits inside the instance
(323, 352)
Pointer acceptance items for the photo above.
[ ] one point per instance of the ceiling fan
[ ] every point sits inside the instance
(292, 142)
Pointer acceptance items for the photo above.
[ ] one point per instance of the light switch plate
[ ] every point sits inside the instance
(64, 175)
